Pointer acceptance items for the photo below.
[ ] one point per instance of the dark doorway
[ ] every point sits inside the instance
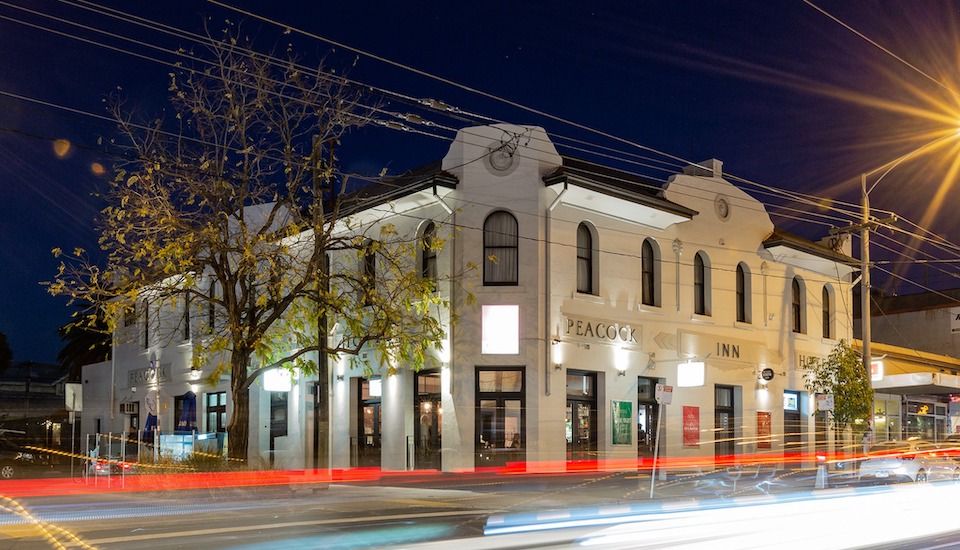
(648, 412)
(428, 412)
(368, 423)
(581, 422)
(725, 423)
(792, 426)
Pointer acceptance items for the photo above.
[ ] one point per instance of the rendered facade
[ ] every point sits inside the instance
(593, 286)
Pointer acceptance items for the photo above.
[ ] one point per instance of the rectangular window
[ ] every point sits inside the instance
(216, 411)
(500, 416)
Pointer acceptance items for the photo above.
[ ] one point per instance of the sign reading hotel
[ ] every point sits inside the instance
(604, 331)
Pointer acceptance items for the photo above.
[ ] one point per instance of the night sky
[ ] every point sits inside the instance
(790, 95)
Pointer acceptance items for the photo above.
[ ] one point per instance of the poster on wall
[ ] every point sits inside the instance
(763, 430)
(622, 426)
(955, 320)
(691, 426)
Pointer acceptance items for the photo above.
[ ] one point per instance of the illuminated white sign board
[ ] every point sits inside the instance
(500, 330)
(690, 374)
(277, 380)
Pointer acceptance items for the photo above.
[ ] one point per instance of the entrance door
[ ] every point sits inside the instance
(581, 420)
(792, 425)
(426, 408)
(368, 424)
(647, 415)
(725, 423)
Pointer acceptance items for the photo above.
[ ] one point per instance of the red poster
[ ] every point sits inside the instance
(691, 426)
(763, 430)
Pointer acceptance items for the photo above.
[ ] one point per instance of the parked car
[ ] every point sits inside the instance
(15, 460)
(108, 467)
(910, 460)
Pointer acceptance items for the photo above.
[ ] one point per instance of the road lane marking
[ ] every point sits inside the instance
(240, 528)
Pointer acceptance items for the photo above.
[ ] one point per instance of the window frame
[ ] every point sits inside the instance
(744, 288)
(701, 284)
(586, 260)
(649, 273)
(504, 244)
(428, 256)
(797, 307)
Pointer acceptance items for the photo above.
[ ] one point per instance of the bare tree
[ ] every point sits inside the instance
(234, 216)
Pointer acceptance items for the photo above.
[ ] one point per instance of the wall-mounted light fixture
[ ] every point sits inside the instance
(339, 378)
(621, 373)
(558, 366)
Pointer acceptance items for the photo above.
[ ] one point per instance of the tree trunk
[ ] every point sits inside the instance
(238, 428)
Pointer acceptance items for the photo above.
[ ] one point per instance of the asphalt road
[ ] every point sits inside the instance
(369, 514)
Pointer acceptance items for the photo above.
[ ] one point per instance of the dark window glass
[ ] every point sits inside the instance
(428, 261)
(500, 249)
(796, 309)
(699, 285)
(827, 311)
(584, 260)
(742, 295)
(648, 276)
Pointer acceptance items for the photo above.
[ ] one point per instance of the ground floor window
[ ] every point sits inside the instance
(501, 416)
(216, 411)
(926, 420)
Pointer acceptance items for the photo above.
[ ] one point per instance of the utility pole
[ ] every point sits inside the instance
(865, 275)
(866, 224)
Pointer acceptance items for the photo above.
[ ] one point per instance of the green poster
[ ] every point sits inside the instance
(622, 423)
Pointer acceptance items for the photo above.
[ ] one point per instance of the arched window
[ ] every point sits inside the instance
(500, 249)
(369, 273)
(585, 260)
(649, 274)
(428, 255)
(701, 284)
(827, 312)
(796, 318)
(744, 302)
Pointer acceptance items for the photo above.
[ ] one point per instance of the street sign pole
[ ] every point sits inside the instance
(664, 395)
(656, 450)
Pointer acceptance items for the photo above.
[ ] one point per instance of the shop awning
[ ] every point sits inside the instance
(915, 383)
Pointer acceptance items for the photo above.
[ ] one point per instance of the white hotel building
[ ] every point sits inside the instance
(605, 284)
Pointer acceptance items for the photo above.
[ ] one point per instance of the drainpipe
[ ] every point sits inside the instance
(453, 302)
(547, 339)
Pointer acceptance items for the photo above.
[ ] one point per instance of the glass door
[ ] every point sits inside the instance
(368, 424)
(581, 421)
(725, 423)
(427, 429)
